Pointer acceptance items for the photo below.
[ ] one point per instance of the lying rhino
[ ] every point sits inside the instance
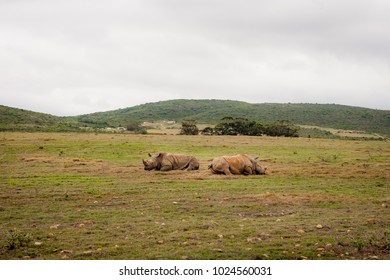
(238, 164)
(166, 162)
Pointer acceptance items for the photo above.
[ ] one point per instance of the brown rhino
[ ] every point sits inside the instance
(166, 162)
(238, 164)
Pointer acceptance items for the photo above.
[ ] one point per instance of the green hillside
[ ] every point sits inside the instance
(208, 112)
(13, 119)
(211, 111)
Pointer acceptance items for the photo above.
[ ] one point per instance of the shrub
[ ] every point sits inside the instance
(188, 127)
(17, 239)
(243, 126)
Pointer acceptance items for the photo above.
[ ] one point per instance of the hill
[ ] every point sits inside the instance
(212, 111)
(208, 112)
(13, 119)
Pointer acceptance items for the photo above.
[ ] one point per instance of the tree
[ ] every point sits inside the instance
(243, 126)
(255, 129)
(282, 128)
(208, 131)
(135, 127)
(188, 127)
(238, 126)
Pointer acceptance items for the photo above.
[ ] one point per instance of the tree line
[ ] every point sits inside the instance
(242, 126)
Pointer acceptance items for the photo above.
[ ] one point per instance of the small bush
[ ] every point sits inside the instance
(188, 127)
(17, 239)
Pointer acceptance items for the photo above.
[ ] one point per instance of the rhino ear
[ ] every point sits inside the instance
(149, 155)
(160, 155)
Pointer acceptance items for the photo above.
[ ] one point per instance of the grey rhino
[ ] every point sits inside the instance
(238, 164)
(165, 162)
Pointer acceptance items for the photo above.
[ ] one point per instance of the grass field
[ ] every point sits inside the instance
(86, 196)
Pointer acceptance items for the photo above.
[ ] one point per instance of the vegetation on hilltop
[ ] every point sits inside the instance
(207, 112)
(13, 119)
(212, 111)
(242, 126)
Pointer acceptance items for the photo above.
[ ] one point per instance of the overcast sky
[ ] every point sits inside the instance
(77, 56)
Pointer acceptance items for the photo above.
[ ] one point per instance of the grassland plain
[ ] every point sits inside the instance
(86, 196)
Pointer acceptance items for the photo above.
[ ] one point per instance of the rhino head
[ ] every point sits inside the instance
(260, 169)
(154, 162)
(257, 168)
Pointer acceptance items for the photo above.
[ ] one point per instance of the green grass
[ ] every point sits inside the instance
(86, 196)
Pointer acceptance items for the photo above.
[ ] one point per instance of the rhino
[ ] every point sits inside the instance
(238, 164)
(166, 162)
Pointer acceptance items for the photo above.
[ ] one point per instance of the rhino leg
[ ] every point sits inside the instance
(225, 168)
(247, 170)
(227, 171)
(166, 168)
(220, 168)
(193, 165)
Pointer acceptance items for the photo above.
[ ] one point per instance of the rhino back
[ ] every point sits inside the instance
(178, 161)
(238, 162)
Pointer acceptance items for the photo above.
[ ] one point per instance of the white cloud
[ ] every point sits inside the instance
(76, 57)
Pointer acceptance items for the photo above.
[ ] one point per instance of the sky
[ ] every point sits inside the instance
(76, 57)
